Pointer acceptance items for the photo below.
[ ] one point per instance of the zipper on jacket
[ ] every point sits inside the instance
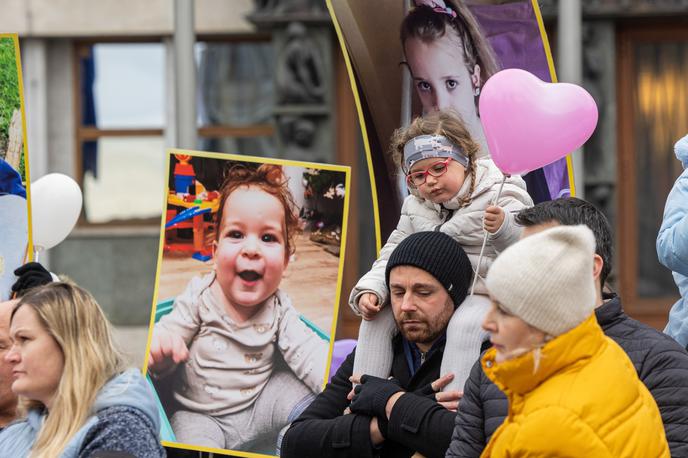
(448, 213)
(445, 215)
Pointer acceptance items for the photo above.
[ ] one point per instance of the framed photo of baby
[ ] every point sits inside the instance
(249, 269)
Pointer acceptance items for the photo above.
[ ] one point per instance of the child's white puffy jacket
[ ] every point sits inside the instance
(465, 225)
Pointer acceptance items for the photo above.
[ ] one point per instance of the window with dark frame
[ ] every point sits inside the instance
(652, 94)
(120, 95)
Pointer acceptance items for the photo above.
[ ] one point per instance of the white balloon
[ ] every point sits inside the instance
(55, 207)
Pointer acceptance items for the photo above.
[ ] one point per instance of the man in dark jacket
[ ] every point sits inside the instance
(661, 363)
(428, 274)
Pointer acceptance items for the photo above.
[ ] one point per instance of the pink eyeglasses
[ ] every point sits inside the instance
(416, 179)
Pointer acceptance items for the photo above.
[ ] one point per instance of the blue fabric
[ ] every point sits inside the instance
(89, 149)
(10, 181)
(672, 246)
(412, 353)
(127, 389)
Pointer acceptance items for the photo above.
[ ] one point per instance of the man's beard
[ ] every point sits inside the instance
(428, 329)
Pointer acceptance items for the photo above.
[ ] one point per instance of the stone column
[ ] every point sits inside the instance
(185, 74)
(570, 66)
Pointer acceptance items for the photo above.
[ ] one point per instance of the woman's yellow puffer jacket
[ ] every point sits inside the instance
(584, 400)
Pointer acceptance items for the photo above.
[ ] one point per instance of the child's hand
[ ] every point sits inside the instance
(494, 218)
(368, 305)
(166, 351)
(447, 399)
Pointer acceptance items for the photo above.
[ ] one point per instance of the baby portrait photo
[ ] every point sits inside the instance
(250, 261)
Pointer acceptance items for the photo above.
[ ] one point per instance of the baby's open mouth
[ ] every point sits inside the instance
(250, 275)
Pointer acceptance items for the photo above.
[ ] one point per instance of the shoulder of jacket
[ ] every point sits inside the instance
(632, 339)
(490, 178)
(642, 343)
(487, 175)
(662, 349)
(123, 426)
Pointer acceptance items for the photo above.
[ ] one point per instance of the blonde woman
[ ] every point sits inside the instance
(572, 391)
(70, 380)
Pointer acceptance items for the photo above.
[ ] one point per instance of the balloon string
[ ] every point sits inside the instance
(36, 252)
(485, 234)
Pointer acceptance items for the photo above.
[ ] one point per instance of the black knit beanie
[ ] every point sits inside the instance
(440, 256)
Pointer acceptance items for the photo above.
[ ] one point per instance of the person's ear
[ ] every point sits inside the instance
(597, 265)
(476, 81)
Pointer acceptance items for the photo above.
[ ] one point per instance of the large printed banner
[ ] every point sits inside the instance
(14, 206)
(249, 273)
(449, 53)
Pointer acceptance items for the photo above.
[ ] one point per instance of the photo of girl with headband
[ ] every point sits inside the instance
(452, 190)
(450, 59)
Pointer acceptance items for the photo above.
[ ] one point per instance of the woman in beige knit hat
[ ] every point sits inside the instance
(572, 391)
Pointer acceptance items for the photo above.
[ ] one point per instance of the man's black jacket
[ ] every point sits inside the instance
(416, 424)
(661, 364)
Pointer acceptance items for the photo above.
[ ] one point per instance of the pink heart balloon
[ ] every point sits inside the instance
(529, 123)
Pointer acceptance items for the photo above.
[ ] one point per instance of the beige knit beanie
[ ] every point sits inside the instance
(546, 279)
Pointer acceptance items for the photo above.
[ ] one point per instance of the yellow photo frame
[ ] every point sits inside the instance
(312, 279)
